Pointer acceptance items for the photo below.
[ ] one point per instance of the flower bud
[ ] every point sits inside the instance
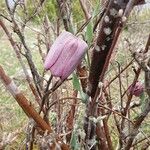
(65, 54)
(136, 89)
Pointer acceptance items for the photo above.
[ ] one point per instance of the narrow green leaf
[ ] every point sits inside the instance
(77, 86)
(84, 97)
(76, 83)
(74, 141)
(143, 101)
(96, 10)
(89, 32)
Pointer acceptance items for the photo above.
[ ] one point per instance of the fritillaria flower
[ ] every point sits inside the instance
(65, 54)
(136, 89)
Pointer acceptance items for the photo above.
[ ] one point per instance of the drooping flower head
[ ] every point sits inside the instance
(65, 54)
(136, 89)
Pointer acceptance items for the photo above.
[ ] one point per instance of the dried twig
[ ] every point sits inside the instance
(23, 102)
(84, 7)
(138, 121)
(14, 45)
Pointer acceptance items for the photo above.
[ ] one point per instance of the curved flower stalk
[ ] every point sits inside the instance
(65, 54)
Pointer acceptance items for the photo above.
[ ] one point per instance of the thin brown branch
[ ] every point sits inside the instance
(138, 121)
(26, 106)
(14, 45)
(65, 13)
(35, 74)
(84, 7)
(23, 102)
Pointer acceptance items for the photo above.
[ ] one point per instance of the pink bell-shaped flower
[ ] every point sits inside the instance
(65, 54)
(136, 89)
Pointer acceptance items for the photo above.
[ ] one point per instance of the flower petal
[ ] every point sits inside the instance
(56, 49)
(67, 52)
(75, 59)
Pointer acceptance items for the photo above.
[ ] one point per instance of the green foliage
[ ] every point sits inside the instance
(89, 32)
(77, 13)
(53, 118)
(76, 83)
(96, 9)
(143, 101)
(51, 9)
(77, 86)
(74, 141)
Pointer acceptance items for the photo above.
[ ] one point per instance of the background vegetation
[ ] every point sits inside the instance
(13, 121)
